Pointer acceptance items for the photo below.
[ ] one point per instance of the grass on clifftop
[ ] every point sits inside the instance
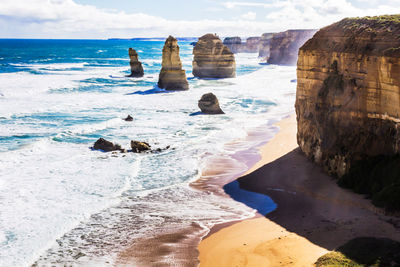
(363, 251)
(383, 18)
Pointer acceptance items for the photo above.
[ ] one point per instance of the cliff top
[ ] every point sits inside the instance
(379, 35)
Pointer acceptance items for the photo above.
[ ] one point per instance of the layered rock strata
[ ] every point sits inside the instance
(172, 76)
(209, 104)
(212, 59)
(348, 93)
(284, 46)
(136, 65)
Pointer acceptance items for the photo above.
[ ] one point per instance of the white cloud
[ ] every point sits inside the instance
(67, 19)
(249, 16)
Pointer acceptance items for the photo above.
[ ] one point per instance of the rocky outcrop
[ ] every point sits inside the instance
(284, 46)
(138, 147)
(107, 146)
(212, 59)
(253, 44)
(172, 76)
(136, 65)
(348, 93)
(128, 118)
(265, 42)
(209, 104)
(234, 44)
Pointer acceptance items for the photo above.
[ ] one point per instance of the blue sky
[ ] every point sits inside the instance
(156, 18)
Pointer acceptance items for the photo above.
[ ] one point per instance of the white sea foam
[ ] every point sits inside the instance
(63, 190)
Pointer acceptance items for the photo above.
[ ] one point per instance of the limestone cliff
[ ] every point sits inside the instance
(234, 44)
(284, 46)
(136, 65)
(172, 76)
(252, 44)
(348, 92)
(264, 46)
(212, 59)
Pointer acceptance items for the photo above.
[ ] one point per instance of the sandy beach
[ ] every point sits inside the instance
(314, 215)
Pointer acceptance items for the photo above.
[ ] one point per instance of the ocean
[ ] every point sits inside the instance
(63, 203)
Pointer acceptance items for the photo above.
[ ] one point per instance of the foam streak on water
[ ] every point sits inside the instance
(61, 202)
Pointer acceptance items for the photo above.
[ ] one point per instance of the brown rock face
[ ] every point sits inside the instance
(284, 46)
(136, 66)
(172, 76)
(209, 104)
(348, 92)
(212, 59)
(107, 146)
(138, 146)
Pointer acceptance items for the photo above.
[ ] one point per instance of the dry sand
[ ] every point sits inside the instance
(314, 215)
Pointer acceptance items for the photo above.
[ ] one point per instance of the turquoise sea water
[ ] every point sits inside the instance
(64, 203)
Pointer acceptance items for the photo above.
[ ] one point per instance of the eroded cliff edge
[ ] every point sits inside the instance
(348, 100)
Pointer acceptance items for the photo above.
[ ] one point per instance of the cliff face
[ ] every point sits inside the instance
(348, 92)
(234, 44)
(136, 65)
(265, 42)
(172, 76)
(284, 46)
(212, 59)
(253, 44)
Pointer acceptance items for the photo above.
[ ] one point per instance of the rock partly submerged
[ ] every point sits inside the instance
(172, 76)
(209, 104)
(107, 146)
(138, 146)
(136, 65)
(212, 59)
(128, 118)
(348, 93)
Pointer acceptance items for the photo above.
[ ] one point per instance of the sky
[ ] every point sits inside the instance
(102, 19)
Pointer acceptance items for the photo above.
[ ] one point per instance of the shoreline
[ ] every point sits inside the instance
(314, 215)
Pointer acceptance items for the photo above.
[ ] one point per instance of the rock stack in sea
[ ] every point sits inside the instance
(172, 76)
(234, 44)
(136, 65)
(348, 99)
(209, 104)
(212, 59)
(284, 46)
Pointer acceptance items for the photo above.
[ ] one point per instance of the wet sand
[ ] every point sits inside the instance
(314, 215)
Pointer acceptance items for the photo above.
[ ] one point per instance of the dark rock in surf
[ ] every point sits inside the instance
(138, 146)
(107, 146)
(128, 118)
(209, 104)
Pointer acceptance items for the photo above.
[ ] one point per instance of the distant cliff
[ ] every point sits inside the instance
(265, 43)
(235, 44)
(348, 104)
(284, 46)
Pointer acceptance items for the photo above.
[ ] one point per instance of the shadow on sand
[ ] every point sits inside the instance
(311, 204)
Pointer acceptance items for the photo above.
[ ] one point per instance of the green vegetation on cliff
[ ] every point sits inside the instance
(363, 251)
(379, 178)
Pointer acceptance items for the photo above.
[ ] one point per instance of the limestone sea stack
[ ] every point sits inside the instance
(253, 44)
(348, 93)
(172, 76)
(136, 65)
(209, 104)
(213, 59)
(284, 46)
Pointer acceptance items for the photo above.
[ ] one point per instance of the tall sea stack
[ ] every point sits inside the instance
(172, 76)
(212, 59)
(136, 66)
(284, 46)
(348, 97)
